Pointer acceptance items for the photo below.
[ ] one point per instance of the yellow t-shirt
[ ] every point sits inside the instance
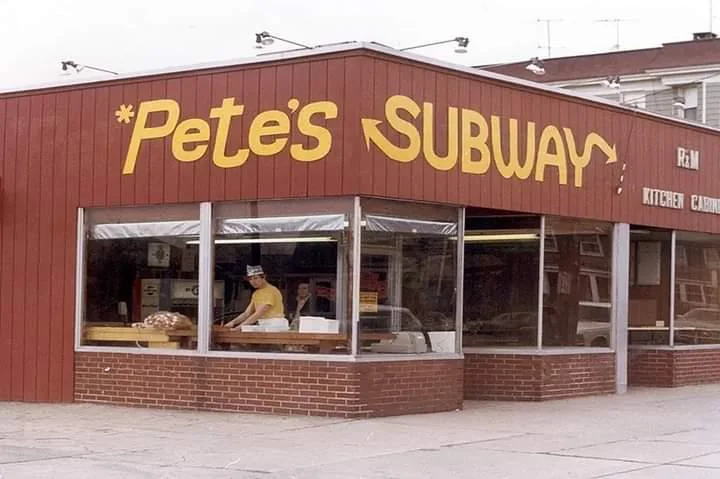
(269, 294)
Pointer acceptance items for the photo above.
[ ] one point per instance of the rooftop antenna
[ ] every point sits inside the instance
(617, 22)
(547, 22)
(710, 5)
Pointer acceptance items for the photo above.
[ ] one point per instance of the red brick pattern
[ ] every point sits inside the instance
(315, 388)
(517, 377)
(673, 368)
(411, 387)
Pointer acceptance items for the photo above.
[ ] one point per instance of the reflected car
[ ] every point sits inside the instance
(699, 318)
(519, 324)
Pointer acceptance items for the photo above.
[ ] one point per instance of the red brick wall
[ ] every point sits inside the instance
(411, 387)
(315, 388)
(673, 368)
(518, 377)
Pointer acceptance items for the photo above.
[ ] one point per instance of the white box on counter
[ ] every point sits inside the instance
(318, 324)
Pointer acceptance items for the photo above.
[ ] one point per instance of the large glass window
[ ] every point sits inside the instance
(650, 286)
(577, 275)
(141, 282)
(502, 264)
(408, 278)
(281, 270)
(697, 309)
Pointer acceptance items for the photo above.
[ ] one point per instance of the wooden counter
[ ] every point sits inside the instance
(155, 338)
(322, 342)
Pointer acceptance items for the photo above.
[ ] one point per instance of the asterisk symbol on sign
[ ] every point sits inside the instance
(124, 114)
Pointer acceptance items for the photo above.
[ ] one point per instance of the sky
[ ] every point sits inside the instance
(132, 36)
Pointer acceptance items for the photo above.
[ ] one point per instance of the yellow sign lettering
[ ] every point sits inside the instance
(580, 161)
(447, 162)
(480, 144)
(142, 131)
(551, 152)
(193, 130)
(321, 134)
(470, 142)
(268, 132)
(268, 124)
(224, 114)
(393, 105)
(512, 166)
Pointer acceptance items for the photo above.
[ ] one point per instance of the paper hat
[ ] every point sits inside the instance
(254, 270)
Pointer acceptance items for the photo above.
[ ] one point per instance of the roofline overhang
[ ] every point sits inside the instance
(358, 46)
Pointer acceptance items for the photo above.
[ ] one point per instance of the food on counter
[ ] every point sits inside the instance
(165, 320)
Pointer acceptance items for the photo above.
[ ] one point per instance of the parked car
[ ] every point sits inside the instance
(523, 325)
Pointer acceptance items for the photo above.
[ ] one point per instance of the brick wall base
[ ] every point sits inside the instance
(673, 367)
(516, 377)
(318, 388)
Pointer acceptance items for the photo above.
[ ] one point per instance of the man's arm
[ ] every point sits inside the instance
(241, 317)
(259, 312)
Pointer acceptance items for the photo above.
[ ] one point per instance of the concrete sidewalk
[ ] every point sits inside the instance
(648, 433)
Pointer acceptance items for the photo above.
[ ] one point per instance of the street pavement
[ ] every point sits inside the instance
(647, 433)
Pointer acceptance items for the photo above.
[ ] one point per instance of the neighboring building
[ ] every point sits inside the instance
(681, 79)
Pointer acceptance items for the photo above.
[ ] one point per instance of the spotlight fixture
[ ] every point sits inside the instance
(612, 82)
(536, 66)
(265, 39)
(461, 44)
(68, 66)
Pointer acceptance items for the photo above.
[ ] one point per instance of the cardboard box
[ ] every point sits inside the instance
(317, 324)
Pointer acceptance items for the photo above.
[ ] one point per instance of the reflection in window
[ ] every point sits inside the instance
(408, 276)
(649, 301)
(697, 311)
(141, 285)
(501, 282)
(303, 278)
(577, 305)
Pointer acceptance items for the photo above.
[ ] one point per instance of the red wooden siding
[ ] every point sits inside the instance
(647, 145)
(62, 148)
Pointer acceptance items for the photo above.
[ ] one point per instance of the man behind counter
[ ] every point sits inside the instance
(266, 301)
(306, 303)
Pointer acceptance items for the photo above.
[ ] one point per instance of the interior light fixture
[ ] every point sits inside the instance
(478, 238)
(536, 66)
(68, 66)
(265, 39)
(303, 239)
(461, 44)
(612, 81)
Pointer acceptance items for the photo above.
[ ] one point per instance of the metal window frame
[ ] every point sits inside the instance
(80, 274)
(355, 267)
(460, 281)
(206, 273)
(541, 284)
(671, 322)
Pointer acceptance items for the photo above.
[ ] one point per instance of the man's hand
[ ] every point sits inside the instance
(233, 322)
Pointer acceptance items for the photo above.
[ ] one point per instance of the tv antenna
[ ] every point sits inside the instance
(548, 22)
(617, 22)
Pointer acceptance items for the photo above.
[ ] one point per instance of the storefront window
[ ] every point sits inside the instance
(650, 286)
(141, 281)
(502, 266)
(577, 304)
(697, 310)
(293, 257)
(408, 277)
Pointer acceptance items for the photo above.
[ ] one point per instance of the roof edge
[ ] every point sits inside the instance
(373, 47)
